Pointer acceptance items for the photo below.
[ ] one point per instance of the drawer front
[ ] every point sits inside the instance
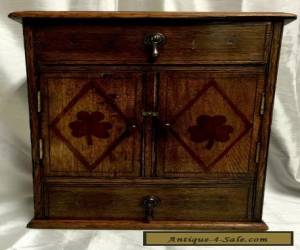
(126, 202)
(124, 43)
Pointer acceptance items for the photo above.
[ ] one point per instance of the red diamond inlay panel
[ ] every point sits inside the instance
(238, 126)
(93, 125)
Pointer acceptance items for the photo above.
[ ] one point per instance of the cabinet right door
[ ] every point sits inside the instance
(209, 122)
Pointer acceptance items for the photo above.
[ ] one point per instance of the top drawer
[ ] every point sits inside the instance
(124, 43)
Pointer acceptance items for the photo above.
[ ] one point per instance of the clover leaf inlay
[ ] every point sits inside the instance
(88, 125)
(210, 129)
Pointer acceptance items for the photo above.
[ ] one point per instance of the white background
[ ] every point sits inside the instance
(282, 198)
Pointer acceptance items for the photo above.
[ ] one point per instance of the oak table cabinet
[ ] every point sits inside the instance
(148, 120)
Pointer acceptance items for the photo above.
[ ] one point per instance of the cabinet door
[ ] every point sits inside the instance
(208, 122)
(90, 123)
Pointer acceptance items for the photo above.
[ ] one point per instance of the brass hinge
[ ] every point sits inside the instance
(257, 153)
(146, 114)
(39, 104)
(262, 103)
(41, 151)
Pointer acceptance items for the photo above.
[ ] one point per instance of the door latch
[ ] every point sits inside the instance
(149, 113)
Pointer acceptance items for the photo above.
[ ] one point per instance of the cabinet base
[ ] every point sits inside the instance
(139, 225)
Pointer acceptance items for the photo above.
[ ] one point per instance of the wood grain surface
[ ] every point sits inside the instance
(128, 15)
(116, 43)
(224, 203)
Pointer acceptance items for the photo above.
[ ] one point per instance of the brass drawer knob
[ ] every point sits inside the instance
(154, 40)
(150, 202)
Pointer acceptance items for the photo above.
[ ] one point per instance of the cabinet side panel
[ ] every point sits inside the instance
(32, 78)
(271, 76)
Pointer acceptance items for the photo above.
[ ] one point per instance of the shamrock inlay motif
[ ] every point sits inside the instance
(89, 124)
(210, 129)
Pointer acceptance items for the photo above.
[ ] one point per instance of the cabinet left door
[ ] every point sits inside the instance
(91, 123)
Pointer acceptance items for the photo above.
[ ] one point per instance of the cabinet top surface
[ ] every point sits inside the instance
(19, 16)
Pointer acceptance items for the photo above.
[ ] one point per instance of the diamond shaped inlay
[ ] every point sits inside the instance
(92, 125)
(212, 134)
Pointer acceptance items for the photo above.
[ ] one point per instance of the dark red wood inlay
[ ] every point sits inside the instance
(88, 125)
(210, 129)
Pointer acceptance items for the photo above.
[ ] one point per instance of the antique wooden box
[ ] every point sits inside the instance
(150, 120)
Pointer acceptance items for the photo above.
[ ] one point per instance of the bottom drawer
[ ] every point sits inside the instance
(228, 203)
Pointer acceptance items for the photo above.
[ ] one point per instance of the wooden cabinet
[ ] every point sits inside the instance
(150, 120)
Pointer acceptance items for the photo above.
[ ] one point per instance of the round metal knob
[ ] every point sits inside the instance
(150, 202)
(131, 127)
(167, 125)
(154, 40)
